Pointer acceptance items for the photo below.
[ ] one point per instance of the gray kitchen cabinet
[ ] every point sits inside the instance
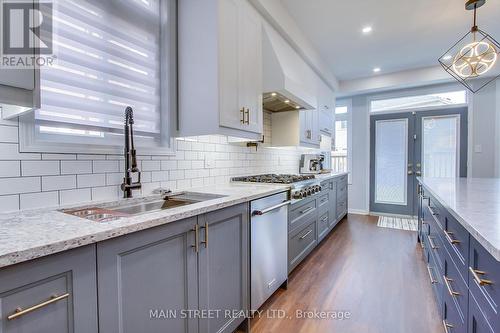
(55, 294)
(158, 280)
(301, 242)
(224, 260)
(147, 279)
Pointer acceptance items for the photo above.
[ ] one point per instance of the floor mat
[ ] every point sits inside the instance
(397, 223)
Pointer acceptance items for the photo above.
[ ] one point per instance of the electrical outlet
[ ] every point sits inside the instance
(478, 148)
(209, 161)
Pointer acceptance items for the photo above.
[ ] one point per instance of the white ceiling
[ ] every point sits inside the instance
(406, 34)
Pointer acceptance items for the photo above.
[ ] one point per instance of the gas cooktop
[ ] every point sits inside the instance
(274, 178)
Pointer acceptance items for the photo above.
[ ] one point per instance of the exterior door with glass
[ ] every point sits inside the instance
(407, 145)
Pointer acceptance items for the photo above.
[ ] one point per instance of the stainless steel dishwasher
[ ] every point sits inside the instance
(269, 246)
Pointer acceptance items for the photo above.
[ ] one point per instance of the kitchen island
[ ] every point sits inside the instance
(459, 230)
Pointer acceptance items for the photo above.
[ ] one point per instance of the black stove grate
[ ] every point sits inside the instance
(274, 178)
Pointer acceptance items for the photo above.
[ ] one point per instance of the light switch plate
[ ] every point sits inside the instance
(478, 148)
(209, 161)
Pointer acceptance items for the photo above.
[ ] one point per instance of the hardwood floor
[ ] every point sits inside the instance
(376, 274)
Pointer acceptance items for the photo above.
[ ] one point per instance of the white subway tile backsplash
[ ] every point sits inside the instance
(69, 197)
(151, 165)
(39, 200)
(19, 185)
(59, 157)
(176, 174)
(8, 134)
(115, 178)
(10, 151)
(159, 176)
(10, 168)
(105, 193)
(91, 180)
(168, 165)
(75, 167)
(9, 203)
(74, 178)
(51, 183)
(106, 166)
(40, 168)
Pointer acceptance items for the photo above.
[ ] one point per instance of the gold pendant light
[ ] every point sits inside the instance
(474, 56)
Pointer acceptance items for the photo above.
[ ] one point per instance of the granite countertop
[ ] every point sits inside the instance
(32, 234)
(475, 203)
(323, 176)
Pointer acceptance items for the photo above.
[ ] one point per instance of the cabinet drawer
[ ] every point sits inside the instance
(456, 240)
(453, 318)
(435, 279)
(455, 288)
(323, 225)
(327, 185)
(477, 322)
(301, 243)
(341, 189)
(300, 212)
(436, 246)
(341, 207)
(323, 202)
(57, 293)
(484, 282)
(436, 211)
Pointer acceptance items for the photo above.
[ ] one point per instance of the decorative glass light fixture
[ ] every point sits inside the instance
(476, 55)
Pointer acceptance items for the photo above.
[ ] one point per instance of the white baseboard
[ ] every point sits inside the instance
(359, 211)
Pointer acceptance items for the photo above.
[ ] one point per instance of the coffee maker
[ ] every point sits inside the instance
(311, 163)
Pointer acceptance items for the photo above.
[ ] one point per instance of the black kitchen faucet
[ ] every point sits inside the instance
(130, 156)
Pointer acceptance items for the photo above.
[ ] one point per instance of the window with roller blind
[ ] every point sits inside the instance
(110, 55)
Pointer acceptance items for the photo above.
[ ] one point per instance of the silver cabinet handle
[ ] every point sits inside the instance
(20, 311)
(446, 326)
(306, 234)
(267, 210)
(205, 242)
(196, 245)
(431, 243)
(448, 234)
(447, 281)
(306, 210)
(475, 275)
(430, 274)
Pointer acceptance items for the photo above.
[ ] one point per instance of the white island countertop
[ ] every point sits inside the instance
(32, 234)
(474, 203)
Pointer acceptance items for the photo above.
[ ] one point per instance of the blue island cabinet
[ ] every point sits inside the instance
(464, 275)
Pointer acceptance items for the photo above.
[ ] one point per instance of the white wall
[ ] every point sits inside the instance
(485, 150)
(484, 130)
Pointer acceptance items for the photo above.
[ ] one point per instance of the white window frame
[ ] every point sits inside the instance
(347, 117)
(168, 73)
(436, 89)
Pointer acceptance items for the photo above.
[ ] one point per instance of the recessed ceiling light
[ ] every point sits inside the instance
(287, 101)
(447, 57)
(376, 70)
(273, 94)
(367, 29)
(297, 107)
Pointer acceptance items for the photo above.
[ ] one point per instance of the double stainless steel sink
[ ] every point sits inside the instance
(126, 209)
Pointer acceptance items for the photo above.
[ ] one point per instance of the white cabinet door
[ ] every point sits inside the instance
(305, 126)
(230, 111)
(240, 66)
(250, 64)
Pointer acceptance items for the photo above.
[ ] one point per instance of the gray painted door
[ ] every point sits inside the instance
(68, 279)
(224, 267)
(147, 279)
(426, 130)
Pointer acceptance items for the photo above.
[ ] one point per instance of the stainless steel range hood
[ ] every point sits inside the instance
(284, 89)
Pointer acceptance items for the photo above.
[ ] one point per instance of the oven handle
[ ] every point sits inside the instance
(267, 210)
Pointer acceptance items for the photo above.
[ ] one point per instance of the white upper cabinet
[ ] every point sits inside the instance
(220, 68)
(326, 107)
